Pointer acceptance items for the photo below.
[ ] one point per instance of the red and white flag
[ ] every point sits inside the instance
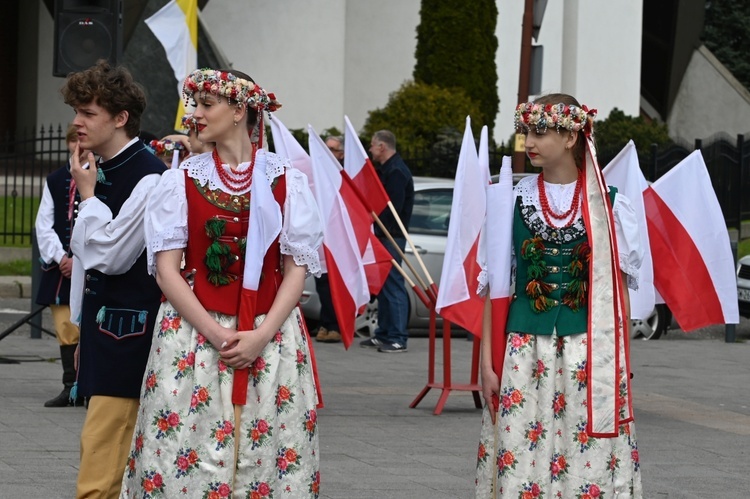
(498, 235)
(457, 299)
(346, 273)
(625, 173)
(263, 228)
(359, 168)
(287, 146)
(694, 268)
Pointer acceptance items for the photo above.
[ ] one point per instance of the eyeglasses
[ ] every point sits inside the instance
(333, 149)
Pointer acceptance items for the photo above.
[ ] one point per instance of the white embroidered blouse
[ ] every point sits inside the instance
(166, 225)
(560, 197)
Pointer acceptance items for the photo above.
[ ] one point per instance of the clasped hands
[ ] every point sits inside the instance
(239, 349)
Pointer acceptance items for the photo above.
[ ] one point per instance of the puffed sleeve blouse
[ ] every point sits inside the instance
(166, 217)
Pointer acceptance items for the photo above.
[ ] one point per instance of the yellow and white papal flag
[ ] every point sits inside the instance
(176, 26)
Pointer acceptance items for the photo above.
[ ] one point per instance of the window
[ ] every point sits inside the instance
(431, 213)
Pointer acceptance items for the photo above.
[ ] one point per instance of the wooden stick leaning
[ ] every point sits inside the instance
(430, 290)
(420, 294)
(401, 253)
(411, 243)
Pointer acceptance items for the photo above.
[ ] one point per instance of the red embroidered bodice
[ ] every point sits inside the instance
(217, 230)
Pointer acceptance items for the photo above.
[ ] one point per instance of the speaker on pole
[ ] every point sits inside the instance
(86, 31)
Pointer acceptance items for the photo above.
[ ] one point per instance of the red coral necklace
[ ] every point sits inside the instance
(235, 181)
(547, 211)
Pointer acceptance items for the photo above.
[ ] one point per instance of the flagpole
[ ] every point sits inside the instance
(420, 294)
(411, 243)
(388, 235)
(431, 290)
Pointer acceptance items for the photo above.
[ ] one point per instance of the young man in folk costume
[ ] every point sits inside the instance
(112, 294)
(58, 210)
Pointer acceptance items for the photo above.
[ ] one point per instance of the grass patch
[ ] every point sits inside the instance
(16, 267)
(743, 248)
(17, 216)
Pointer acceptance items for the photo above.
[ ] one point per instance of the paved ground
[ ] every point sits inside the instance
(692, 400)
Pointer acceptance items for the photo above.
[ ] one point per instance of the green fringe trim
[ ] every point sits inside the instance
(101, 314)
(216, 256)
(215, 227)
(541, 304)
(221, 278)
(577, 294)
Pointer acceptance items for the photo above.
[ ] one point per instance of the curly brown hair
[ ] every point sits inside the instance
(112, 88)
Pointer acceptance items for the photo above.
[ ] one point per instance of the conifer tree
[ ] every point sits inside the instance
(456, 46)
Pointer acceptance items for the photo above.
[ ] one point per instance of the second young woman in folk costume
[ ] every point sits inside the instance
(191, 440)
(558, 419)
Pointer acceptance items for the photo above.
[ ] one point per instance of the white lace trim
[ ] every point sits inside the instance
(483, 282)
(630, 270)
(201, 168)
(559, 196)
(166, 240)
(274, 164)
(303, 254)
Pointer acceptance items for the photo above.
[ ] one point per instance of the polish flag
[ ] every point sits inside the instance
(346, 273)
(287, 146)
(457, 299)
(375, 258)
(694, 270)
(263, 229)
(360, 173)
(625, 173)
(498, 235)
(359, 167)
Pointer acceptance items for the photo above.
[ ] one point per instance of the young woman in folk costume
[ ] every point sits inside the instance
(195, 436)
(558, 420)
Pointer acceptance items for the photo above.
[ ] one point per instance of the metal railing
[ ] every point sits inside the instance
(25, 162)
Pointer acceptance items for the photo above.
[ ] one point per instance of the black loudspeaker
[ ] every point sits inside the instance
(86, 31)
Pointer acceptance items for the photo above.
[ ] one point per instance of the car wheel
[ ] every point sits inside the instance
(653, 326)
(367, 321)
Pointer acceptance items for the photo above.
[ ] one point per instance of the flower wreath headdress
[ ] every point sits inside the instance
(224, 84)
(245, 92)
(165, 147)
(189, 123)
(557, 116)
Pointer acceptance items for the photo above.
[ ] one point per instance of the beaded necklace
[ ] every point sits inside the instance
(547, 211)
(235, 181)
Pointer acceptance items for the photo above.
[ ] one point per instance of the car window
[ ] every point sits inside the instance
(431, 212)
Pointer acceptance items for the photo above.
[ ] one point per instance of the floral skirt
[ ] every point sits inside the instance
(184, 439)
(539, 447)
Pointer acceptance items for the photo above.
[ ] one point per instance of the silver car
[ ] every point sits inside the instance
(428, 229)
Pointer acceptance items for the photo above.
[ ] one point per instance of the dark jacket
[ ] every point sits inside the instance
(54, 288)
(119, 311)
(399, 185)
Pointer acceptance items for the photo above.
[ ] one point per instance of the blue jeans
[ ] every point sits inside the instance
(393, 302)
